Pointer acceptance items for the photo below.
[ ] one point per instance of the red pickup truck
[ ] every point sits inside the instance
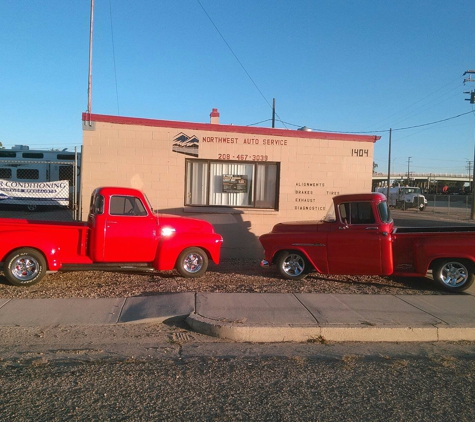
(358, 237)
(122, 233)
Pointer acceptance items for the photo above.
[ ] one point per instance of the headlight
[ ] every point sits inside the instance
(167, 231)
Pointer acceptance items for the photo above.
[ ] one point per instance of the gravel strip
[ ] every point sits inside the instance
(230, 276)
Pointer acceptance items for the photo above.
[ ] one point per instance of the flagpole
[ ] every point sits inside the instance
(89, 84)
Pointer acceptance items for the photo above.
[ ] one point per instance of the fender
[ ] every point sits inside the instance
(169, 248)
(31, 239)
(427, 252)
(275, 251)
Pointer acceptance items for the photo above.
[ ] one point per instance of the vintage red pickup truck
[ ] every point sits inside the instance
(358, 237)
(122, 234)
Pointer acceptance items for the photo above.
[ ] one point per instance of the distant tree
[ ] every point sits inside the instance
(1, 146)
(375, 166)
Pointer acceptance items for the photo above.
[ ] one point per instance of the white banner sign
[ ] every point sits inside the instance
(34, 193)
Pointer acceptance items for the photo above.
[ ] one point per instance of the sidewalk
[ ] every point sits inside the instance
(267, 317)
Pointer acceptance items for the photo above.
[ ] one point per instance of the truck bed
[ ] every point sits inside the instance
(450, 229)
(68, 239)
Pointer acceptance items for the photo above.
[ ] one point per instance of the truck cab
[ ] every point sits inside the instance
(123, 227)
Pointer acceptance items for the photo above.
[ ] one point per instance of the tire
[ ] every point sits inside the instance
(454, 275)
(292, 265)
(31, 207)
(192, 262)
(24, 267)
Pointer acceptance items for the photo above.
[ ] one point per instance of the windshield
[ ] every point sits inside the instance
(148, 203)
(383, 210)
(330, 217)
(412, 190)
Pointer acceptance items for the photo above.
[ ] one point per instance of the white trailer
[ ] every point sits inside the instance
(26, 176)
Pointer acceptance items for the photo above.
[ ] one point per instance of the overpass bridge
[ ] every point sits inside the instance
(429, 181)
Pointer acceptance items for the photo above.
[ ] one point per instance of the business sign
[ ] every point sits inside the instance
(34, 193)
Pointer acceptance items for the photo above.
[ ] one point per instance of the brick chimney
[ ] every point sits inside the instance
(214, 117)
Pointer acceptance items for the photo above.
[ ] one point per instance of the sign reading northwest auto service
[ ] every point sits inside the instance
(34, 193)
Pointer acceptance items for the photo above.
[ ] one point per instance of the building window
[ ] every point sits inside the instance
(232, 184)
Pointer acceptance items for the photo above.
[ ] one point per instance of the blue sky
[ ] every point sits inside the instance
(332, 65)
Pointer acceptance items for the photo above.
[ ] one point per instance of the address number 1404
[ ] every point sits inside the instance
(359, 152)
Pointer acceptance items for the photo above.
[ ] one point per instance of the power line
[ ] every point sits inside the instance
(378, 131)
(436, 122)
(236, 57)
(419, 101)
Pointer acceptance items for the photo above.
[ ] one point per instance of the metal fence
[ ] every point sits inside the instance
(455, 206)
(40, 190)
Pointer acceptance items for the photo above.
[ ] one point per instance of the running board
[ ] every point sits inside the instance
(108, 267)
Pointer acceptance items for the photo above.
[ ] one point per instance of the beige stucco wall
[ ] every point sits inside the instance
(313, 168)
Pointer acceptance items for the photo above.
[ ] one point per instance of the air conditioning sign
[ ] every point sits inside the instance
(34, 193)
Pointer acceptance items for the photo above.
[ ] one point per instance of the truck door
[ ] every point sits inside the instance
(354, 247)
(130, 233)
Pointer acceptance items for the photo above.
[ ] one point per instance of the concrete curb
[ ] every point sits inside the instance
(277, 334)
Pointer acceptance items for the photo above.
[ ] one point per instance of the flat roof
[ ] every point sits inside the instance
(289, 133)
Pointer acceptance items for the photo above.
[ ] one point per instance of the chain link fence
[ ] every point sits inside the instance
(40, 190)
(455, 206)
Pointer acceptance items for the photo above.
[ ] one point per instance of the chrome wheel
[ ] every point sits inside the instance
(454, 275)
(24, 267)
(292, 265)
(192, 262)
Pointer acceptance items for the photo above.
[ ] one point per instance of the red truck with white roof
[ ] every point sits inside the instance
(358, 237)
(122, 233)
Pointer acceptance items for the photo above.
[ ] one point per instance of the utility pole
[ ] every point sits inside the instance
(389, 165)
(469, 178)
(408, 172)
(472, 101)
(273, 113)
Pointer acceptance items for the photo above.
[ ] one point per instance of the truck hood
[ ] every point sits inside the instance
(184, 223)
(298, 226)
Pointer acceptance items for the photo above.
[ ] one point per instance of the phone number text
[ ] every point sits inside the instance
(242, 157)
